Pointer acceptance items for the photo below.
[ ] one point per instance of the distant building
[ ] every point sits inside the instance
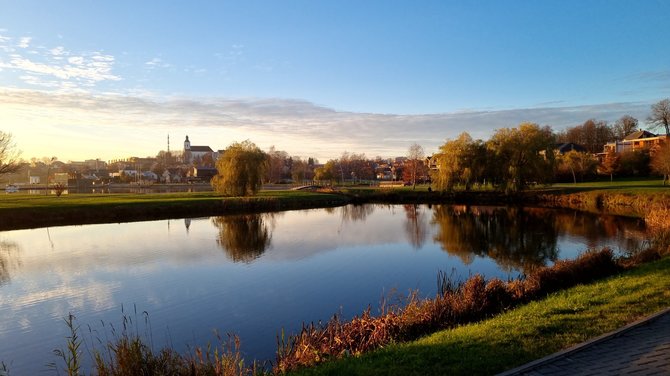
(637, 141)
(196, 153)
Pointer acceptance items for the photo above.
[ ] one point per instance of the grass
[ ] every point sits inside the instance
(520, 335)
(25, 211)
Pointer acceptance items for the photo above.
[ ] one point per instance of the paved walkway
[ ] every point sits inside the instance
(641, 348)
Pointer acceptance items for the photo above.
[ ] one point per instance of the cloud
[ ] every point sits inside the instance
(25, 42)
(299, 127)
(55, 68)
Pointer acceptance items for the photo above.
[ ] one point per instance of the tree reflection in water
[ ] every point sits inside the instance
(355, 213)
(510, 236)
(244, 237)
(9, 260)
(525, 238)
(415, 225)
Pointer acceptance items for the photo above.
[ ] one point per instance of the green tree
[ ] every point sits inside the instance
(240, 170)
(524, 154)
(660, 115)
(327, 172)
(9, 156)
(460, 161)
(660, 161)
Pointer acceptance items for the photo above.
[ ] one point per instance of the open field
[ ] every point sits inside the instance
(520, 335)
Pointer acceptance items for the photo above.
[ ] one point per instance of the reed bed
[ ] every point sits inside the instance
(657, 220)
(456, 304)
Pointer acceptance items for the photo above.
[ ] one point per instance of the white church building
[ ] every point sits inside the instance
(194, 153)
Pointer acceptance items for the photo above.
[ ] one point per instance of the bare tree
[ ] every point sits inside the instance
(414, 163)
(624, 126)
(9, 156)
(660, 115)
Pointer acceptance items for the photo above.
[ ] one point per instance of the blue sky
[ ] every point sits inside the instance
(94, 79)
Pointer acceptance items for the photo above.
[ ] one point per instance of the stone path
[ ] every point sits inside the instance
(641, 348)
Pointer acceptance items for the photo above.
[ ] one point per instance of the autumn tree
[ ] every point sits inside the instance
(624, 126)
(9, 156)
(660, 115)
(524, 154)
(610, 163)
(414, 166)
(577, 163)
(459, 161)
(326, 172)
(240, 170)
(276, 165)
(660, 162)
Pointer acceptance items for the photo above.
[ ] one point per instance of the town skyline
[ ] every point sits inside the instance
(317, 79)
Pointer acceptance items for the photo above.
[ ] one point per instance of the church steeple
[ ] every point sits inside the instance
(187, 144)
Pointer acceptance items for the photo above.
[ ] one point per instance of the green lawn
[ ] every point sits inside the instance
(521, 335)
(23, 200)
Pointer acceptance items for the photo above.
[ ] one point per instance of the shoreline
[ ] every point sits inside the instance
(24, 212)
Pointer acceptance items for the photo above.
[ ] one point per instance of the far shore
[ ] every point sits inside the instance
(21, 210)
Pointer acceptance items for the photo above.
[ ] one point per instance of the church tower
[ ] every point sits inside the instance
(187, 151)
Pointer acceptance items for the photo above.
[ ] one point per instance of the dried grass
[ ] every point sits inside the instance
(456, 304)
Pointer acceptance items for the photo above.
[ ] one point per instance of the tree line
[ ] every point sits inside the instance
(510, 160)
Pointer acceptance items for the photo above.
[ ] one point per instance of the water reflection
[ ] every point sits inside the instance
(512, 237)
(416, 225)
(244, 237)
(9, 260)
(523, 239)
(356, 213)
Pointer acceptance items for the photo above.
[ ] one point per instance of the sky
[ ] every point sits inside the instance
(112, 79)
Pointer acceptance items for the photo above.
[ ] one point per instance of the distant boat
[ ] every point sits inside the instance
(11, 188)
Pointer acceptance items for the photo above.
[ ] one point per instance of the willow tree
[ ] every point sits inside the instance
(459, 161)
(525, 154)
(240, 170)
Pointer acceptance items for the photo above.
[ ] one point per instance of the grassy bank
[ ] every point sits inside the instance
(634, 198)
(521, 335)
(26, 211)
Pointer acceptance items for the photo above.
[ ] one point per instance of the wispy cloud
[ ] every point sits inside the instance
(157, 63)
(299, 127)
(56, 67)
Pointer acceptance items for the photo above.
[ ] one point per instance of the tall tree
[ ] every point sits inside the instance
(414, 164)
(525, 154)
(624, 126)
(660, 115)
(240, 170)
(660, 162)
(9, 156)
(592, 134)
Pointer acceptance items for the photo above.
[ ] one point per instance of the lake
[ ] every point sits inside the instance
(180, 281)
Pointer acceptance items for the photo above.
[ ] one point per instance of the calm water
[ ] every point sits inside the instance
(255, 274)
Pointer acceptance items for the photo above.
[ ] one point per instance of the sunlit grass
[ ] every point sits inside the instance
(520, 335)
